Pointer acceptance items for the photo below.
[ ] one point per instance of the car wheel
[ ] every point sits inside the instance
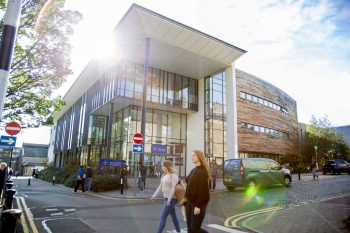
(230, 188)
(287, 181)
(252, 184)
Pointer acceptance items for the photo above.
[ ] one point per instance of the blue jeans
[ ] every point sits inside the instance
(165, 212)
(88, 184)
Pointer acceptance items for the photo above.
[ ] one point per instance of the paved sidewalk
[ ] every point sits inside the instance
(152, 184)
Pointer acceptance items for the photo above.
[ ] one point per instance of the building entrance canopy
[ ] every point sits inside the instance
(174, 47)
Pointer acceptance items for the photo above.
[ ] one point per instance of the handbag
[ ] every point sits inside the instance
(180, 191)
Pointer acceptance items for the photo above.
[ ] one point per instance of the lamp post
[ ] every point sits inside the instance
(316, 157)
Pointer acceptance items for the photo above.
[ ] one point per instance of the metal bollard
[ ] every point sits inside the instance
(9, 185)
(53, 180)
(9, 198)
(299, 174)
(121, 185)
(29, 181)
(9, 220)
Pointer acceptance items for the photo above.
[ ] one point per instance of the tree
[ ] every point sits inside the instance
(321, 138)
(41, 60)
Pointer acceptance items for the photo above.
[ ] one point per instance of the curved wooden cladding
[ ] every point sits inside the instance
(257, 114)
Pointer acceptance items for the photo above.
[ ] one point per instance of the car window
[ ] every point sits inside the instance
(262, 165)
(250, 164)
(273, 165)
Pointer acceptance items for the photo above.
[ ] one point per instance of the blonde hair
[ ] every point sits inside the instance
(201, 157)
(3, 164)
(169, 166)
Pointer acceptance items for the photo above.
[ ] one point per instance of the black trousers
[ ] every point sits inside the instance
(194, 222)
(82, 182)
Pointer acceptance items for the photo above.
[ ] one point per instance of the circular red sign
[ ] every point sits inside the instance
(138, 138)
(12, 128)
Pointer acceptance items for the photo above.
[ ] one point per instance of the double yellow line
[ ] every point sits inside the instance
(232, 221)
(21, 204)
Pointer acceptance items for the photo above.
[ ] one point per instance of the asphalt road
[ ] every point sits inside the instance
(55, 209)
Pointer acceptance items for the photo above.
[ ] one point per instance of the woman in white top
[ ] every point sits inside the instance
(167, 186)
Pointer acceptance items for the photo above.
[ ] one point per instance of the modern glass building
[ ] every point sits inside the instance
(191, 97)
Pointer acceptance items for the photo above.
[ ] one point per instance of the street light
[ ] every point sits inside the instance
(316, 157)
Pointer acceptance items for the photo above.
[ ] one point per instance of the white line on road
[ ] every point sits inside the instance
(57, 214)
(225, 229)
(45, 226)
(69, 210)
(51, 209)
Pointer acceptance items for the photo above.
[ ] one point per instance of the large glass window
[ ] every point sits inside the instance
(162, 128)
(215, 110)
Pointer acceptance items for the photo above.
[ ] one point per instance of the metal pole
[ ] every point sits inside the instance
(11, 19)
(11, 151)
(144, 99)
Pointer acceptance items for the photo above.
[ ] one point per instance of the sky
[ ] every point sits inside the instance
(302, 47)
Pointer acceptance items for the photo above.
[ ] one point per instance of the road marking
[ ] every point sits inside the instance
(23, 220)
(51, 210)
(184, 230)
(57, 214)
(225, 229)
(232, 221)
(45, 226)
(69, 210)
(29, 216)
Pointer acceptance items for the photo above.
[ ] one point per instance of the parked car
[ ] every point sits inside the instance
(336, 166)
(251, 172)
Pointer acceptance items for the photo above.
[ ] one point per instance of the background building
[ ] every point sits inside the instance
(192, 101)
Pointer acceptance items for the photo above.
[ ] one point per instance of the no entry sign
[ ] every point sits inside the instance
(12, 128)
(138, 138)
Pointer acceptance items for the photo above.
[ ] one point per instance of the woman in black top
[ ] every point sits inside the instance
(197, 193)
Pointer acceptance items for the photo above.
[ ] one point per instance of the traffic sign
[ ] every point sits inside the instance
(7, 141)
(138, 138)
(12, 128)
(137, 148)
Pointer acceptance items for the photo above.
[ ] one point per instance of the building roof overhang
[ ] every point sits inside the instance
(174, 47)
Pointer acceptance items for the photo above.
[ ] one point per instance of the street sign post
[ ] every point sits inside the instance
(138, 138)
(12, 128)
(137, 148)
(7, 141)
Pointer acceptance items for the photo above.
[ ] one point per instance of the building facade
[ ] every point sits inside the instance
(191, 101)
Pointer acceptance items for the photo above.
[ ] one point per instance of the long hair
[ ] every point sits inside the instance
(169, 166)
(201, 157)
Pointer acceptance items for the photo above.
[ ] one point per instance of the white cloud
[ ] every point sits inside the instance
(299, 46)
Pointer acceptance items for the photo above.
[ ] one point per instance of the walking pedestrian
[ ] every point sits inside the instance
(151, 170)
(80, 179)
(88, 177)
(125, 175)
(167, 186)
(2, 176)
(213, 171)
(141, 176)
(158, 169)
(314, 169)
(197, 193)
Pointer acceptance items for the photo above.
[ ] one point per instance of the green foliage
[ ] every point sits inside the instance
(67, 177)
(41, 60)
(322, 139)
